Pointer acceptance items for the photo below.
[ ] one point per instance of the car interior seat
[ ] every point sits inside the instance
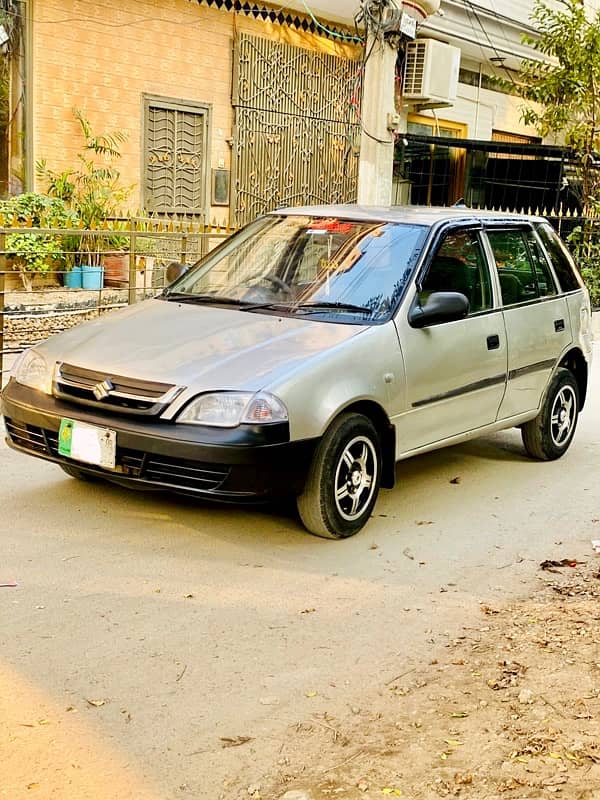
(449, 274)
(511, 288)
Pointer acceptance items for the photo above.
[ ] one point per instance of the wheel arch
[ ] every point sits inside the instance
(387, 435)
(576, 363)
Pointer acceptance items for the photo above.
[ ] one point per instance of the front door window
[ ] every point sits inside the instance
(460, 266)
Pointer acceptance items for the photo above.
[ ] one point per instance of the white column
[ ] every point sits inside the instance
(377, 142)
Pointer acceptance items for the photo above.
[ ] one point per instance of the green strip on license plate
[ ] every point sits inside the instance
(65, 437)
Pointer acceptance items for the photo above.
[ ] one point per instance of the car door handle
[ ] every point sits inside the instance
(493, 342)
(559, 325)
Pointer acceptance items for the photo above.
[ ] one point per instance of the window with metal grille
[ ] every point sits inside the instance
(175, 156)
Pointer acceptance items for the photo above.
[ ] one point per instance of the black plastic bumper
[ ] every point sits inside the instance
(244, 463)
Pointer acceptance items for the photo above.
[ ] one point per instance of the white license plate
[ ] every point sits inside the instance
(87, 443)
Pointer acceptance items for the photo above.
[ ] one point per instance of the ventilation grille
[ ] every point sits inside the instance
(168, 472)
(415, 69)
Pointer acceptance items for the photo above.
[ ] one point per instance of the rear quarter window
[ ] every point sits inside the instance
(564, 268)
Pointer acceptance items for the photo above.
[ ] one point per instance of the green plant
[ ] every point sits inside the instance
(562, 88)
(584, 242)
(36, 252)
(92, 190)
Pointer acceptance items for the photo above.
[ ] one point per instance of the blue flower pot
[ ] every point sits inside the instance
(92, 277)
(72, 278)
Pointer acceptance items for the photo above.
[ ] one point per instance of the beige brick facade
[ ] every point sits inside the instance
(104, 56)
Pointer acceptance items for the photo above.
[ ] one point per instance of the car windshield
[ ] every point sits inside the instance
(326, 268)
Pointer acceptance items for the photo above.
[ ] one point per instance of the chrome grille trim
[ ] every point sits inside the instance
(134, 396)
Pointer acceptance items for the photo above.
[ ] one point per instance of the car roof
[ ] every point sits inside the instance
(413, 215)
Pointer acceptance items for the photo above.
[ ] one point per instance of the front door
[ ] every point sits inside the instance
(455, 371)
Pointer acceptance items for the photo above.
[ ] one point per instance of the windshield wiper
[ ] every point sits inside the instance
(324, 305)
(274, 306)
(187, 297)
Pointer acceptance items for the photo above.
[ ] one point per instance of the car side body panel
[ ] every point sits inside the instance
(366, 367)
(537, 333)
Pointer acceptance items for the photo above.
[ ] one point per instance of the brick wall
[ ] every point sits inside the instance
(103, 55)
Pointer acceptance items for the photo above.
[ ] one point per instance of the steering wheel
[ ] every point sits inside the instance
(280, 285)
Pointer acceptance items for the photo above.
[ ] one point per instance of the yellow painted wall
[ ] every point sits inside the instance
(102, 56)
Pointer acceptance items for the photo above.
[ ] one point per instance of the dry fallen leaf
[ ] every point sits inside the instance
(308, 610)
(311, 694)
(95, 703)
(234, 741)
(464, 779)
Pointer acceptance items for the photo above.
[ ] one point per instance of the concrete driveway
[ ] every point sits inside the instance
(147, 633)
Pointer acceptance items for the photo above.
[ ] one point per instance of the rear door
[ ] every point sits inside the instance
(537, 319)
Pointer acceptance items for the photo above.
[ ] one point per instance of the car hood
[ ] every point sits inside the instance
(199, 347)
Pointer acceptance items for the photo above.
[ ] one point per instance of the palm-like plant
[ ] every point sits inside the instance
(92, 190)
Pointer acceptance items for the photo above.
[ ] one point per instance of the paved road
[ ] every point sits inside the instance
(183, 623)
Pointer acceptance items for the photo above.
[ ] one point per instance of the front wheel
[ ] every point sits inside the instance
(549, 435)
(343, 480)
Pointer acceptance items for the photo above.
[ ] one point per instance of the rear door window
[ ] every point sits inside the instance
(522, 271)
(543, 274)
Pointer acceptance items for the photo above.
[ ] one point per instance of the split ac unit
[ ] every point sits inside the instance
(430, 72)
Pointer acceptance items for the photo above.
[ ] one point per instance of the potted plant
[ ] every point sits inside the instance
(93, 191)
(36, 253)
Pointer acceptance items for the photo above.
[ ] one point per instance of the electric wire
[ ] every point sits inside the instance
(343, 36)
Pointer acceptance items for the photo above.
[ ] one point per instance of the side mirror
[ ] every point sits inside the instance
(174, 271)
(439, 307)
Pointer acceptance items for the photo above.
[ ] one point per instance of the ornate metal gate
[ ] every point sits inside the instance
(296, 133)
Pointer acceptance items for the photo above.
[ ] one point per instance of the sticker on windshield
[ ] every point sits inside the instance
(329, 226)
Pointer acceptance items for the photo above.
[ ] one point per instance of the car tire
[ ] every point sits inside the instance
(549, 435)
(75, 472)
(343, 479)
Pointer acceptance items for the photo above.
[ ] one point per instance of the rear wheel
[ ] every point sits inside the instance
(549, 435)
(343, 480)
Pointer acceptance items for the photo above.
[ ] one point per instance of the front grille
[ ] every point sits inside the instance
(185, 473)
(113, 392)
(176, 473)
(28, 436)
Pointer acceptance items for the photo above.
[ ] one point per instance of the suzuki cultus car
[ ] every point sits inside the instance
(310, 352)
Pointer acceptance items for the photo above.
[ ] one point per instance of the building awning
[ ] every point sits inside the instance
(487, 146)
(281, 16)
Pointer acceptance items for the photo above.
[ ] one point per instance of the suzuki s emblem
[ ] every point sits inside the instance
(102, 390)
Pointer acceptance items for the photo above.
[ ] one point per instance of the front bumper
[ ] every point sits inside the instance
(244, 463)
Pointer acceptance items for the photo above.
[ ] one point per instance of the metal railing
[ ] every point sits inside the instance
(54, 278)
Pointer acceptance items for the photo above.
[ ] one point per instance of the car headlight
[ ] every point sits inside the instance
(31, 369)
(229, 409)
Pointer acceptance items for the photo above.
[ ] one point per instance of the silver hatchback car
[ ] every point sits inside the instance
(310, 352)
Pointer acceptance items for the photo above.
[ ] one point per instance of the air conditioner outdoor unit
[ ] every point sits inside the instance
(430, 72)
